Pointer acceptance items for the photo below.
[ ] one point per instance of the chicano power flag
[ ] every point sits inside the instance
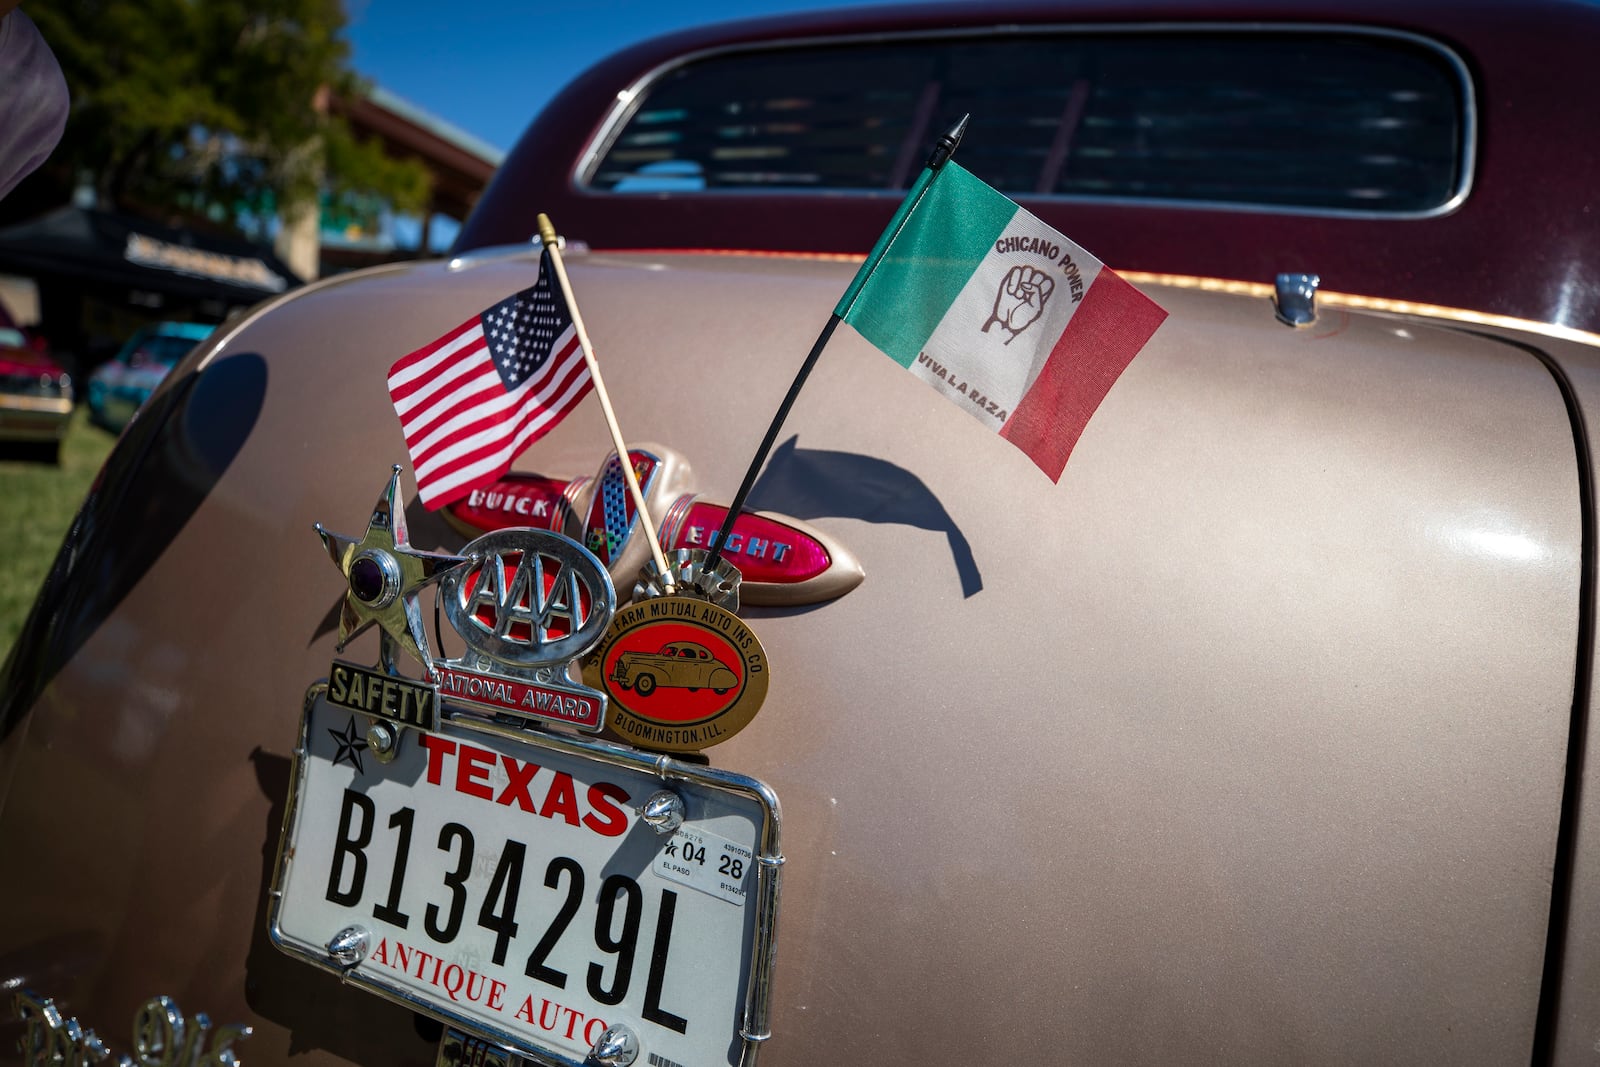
(1021, 328)
(471, 401)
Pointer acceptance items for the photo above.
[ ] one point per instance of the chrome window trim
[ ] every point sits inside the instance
(477, 257)
(628, 99)
(532, 249)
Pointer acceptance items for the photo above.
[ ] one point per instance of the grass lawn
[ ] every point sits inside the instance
(37, 502)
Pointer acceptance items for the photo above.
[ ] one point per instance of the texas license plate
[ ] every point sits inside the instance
(506, 882)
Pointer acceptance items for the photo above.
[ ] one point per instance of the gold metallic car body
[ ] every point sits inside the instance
(1249, 737)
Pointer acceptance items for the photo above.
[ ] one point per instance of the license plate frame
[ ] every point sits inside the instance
(707, 789)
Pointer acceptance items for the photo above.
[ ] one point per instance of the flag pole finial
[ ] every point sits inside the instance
(547, 230)
(947, 144)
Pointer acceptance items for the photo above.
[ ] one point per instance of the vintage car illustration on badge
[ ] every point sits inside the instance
(683, 664)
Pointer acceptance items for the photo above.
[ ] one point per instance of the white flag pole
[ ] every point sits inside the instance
(547, 233)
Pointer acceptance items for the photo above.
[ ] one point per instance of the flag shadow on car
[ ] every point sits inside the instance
(813, 483)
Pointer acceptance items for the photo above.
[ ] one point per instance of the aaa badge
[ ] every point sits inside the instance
(681, 674)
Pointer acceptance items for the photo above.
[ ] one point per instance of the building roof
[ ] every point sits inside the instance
(459, 163)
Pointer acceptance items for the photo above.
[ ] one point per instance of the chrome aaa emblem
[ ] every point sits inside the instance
(528, 598)
(527, 603)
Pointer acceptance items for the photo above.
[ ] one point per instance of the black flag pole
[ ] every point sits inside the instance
(942, 151)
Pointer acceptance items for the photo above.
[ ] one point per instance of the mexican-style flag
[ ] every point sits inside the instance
(1021, 328)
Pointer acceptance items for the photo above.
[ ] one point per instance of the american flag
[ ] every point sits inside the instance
(471, 401)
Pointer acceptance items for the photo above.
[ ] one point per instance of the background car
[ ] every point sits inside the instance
(119, 386)
(1262, 737)
(35, 392)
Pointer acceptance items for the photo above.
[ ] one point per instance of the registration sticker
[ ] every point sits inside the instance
(708, 862)
(504, 881)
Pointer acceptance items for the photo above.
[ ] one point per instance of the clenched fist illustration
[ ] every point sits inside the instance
(1021, 299)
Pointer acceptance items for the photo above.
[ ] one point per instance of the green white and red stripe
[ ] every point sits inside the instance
(1020, 327)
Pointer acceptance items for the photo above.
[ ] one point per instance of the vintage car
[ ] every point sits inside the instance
(119, 386)
(1261, 736)
(35, 392)
(682, 664)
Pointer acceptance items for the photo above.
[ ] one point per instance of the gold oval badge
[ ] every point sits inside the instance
(682, 674)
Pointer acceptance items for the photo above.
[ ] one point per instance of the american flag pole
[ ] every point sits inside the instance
(547, 233)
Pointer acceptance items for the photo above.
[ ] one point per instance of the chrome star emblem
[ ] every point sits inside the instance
(383, 574)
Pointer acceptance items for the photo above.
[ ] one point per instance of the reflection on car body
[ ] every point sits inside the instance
(1262, 737)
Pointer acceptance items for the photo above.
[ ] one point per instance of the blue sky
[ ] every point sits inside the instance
(488, 66)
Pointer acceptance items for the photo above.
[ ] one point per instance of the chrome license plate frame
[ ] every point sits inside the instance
(721, 806)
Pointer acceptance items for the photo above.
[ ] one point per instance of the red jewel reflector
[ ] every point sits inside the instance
(764, 549)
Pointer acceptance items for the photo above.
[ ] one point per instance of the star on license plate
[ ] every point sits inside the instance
(506, 882)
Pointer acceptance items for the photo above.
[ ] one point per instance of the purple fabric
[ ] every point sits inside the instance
(33, 99)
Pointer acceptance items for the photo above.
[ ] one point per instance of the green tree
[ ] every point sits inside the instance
(216, 108)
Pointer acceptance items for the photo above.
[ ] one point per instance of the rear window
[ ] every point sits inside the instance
(1320, 121)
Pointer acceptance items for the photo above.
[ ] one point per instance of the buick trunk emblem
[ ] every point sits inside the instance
(781, 560)
(527, 603)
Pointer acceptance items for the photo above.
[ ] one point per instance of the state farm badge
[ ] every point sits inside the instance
(383, 575)
(527, 603)
(682, 673)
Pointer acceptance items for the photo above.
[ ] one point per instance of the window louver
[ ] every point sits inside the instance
(1341, 121)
